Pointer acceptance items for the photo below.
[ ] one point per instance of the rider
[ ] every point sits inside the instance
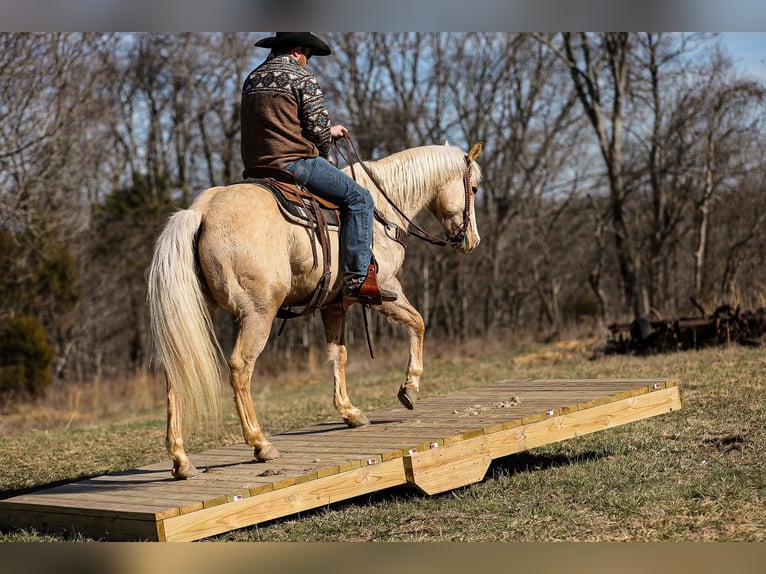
(285, 123)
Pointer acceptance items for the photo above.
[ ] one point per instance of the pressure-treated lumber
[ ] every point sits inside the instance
(445, 443)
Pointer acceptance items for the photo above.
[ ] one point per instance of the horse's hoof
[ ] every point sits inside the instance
(266, 454)
(360, 421)
(408, 397)
(186, 472)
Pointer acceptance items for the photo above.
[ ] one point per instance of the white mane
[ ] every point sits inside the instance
(410, 178)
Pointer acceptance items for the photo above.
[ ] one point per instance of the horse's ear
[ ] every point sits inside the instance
(446, 143)
(475, 151)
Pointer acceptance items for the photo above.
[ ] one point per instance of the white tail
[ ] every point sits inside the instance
(181, 326)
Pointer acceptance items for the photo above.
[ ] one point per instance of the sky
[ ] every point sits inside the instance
(748, 50)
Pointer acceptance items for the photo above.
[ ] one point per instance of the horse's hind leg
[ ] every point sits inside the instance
(401, 311)
(334, 320)
(253, 334)
(182, 466)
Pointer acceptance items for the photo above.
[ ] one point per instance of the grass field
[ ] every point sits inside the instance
(698, 474)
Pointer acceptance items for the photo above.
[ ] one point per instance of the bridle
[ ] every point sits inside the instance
(459, 237)
(400, 235)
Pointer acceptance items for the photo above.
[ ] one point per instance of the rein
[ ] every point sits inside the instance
(417, 231)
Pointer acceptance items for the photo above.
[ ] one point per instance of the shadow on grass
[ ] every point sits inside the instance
(510, 465)
(530, 462)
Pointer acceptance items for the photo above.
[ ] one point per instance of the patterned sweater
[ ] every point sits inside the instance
(284, 116)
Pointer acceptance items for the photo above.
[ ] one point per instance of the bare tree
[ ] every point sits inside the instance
(661, 99)
(599, 66)
(50, 153)
(510, 94)
(101, 135)
(725, 124)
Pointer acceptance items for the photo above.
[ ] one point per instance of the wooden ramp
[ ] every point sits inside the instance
(446, 442)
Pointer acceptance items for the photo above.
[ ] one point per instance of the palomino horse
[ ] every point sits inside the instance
(233, 248)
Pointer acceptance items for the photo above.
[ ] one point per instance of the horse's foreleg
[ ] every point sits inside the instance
(401, 311)
(334, 320)
(252, 337)
(182, 466)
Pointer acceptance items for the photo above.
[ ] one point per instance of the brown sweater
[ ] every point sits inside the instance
(284, 117)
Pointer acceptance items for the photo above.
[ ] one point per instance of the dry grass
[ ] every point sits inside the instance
(697, 474)
(86, 403)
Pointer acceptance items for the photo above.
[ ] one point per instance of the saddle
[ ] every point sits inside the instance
(298, 205)
(292, 197)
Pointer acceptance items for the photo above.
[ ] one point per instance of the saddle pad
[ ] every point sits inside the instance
(293, 211)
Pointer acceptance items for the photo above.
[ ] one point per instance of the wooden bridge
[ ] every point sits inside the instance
(445, 443)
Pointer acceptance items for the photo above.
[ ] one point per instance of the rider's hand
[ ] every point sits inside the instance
(338, 131)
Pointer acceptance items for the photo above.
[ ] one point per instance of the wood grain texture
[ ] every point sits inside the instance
(445, 443)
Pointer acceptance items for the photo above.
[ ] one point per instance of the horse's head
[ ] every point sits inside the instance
(453, 205)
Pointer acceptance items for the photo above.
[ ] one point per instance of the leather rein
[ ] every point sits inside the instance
(401, 234)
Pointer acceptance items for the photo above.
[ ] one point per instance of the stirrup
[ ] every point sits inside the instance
(358, 296)
(367, 292)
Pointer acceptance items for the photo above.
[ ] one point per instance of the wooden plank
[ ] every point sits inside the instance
(318, 428)
(577, 383)
(279, 476)
(75, 505)
(442, 469)
(185, 494)
(468, 456)
(480, 414)
(445, 443)
(352, 449)
(286, 501)
(156, 497)
(490, 395)
(360, 446)
(175, 488)
(352, 453)
(526, 401)
(450, 429)
(137, 476)
(435, 426)
(98, 526)
(323, 465)
(556, 429)
(299, 467)
(358, 437)
(371, 436)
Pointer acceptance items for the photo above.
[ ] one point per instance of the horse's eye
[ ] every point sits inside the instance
(474, 189)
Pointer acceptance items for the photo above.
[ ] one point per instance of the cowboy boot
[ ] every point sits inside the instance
(365, 290)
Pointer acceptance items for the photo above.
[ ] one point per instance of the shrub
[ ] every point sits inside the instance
(25, 358)
(581, 305)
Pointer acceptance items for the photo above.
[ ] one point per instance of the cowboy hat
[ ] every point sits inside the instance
(286, 40)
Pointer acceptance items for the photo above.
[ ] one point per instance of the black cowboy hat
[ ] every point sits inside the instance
(286, 40)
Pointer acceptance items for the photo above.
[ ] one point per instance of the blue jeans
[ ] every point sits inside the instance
(328, 182)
